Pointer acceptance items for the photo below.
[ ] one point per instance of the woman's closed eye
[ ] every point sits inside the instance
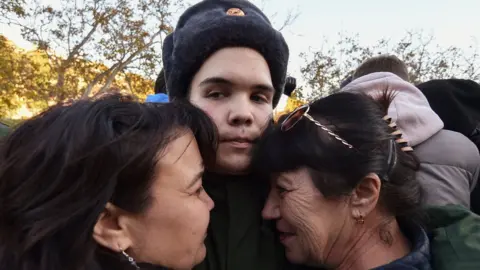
(280, 190)
(198, 191)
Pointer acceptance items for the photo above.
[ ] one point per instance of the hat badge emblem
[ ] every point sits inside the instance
(235, 12)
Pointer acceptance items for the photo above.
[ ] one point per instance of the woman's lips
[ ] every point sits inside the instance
(285, 238)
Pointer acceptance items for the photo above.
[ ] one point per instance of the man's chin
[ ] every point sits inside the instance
(233, 166)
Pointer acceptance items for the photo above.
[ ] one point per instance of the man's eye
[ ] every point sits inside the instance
(216, 95)
(259, 98)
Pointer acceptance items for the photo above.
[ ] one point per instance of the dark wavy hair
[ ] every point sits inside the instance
(336, 169)
(59, 169)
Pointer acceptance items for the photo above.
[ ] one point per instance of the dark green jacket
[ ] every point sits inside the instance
(454, 238)
(454, 234)
(4, 130)
(238, 238)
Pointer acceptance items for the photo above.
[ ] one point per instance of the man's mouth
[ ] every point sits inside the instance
(239, 143)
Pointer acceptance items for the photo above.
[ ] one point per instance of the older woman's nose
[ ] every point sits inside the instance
(271, 209)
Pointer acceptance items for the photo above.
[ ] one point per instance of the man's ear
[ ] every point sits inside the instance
(365, 195)
(110, 231)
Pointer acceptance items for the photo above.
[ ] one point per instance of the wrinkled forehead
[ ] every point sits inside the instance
(292, 178)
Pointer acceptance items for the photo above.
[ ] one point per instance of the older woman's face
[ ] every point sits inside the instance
(312, 228)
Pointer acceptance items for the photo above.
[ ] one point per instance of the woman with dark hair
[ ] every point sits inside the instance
(109, 184)
(344, 193)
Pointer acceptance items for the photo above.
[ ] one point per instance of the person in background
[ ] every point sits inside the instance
(87, 193)
(226, 58)
(457, 101)
(346, 81)
(447, 178)
(382, 63)
(290, 86)
(160, 95)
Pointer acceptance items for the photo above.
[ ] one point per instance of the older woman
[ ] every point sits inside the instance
(106, 184)
(344, 194)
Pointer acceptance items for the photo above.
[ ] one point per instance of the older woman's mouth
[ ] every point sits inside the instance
(286, 237)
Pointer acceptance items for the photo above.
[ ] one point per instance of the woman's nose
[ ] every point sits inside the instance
(209, 202)
(271, 209)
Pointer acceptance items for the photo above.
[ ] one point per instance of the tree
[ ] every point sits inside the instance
(124, 35)
(289, 19)
(327, 67)
(132, 40)
(293, 102)
(24, 78)
(27, 82)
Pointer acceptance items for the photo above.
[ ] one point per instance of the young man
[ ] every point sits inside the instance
(226, 58)
(383, 63)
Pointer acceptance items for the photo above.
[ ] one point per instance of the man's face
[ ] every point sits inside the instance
(234, 87)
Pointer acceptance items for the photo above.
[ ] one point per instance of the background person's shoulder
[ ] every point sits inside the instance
(449, 148)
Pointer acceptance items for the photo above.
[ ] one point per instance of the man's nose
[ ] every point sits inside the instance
(241, 112)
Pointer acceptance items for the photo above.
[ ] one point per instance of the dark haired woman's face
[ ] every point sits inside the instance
(312, 228)
(171, 232)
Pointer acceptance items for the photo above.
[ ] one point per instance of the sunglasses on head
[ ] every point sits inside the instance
(294, 117)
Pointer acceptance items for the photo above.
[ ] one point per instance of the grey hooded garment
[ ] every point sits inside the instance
(449, 161)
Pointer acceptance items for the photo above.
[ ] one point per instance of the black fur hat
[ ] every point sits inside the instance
(212, 25)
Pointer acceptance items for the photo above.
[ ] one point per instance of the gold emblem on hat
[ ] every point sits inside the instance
(235, 12)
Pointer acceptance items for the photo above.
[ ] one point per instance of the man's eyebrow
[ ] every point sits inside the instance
(216, 80)
(220, 80)
(198, 177)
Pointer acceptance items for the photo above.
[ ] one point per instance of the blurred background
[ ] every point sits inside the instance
(58, 50)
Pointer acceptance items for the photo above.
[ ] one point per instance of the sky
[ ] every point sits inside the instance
(452, 22)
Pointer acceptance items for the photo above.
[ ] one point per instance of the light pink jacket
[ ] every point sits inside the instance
(449, 161)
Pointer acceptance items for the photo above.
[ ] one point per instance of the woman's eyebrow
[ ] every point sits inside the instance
(285, 180)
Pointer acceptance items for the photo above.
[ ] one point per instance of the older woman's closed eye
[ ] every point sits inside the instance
(343, 190)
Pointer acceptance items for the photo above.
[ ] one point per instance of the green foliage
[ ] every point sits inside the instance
(24, 77)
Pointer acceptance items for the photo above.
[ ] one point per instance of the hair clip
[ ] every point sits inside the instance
(294, 117)
(397, 134)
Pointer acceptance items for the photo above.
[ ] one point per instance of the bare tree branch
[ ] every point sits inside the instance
(289, 20)
(326, 68)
